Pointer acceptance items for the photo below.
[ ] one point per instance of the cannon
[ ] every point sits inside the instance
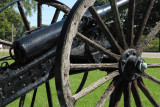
(80, 43)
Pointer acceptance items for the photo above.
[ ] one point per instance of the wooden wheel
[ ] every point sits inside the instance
(60, 7)
(127, 66)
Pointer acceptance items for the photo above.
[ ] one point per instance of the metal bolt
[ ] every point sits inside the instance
(142, 66)
(123, 62)
(134, 53)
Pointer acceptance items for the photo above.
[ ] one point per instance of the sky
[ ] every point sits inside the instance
(48, 12)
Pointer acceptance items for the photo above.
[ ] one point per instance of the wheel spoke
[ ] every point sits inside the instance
(97, 46)
(130, 23)
(5, 42)
(135, 93)
(34, 97)
(93, 66)
(145, 75)
(23, 15)
(107, 93)
(150, 36)
(144, 21)
(49, 96)
(21, 103)
(104, 28)
(117, 23)
(82, 82)
(55, 17)
(39, 20)
(127, 95)
(116, 96)
(147, 93)
(95, 85)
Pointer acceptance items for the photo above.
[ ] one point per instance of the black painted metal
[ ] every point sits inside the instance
(16, 81)
(21, 103)
(39, 42)
(34, 97)
(49, 95)
(129, 63)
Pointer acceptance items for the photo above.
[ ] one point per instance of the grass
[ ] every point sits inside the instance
(91, 99)
(153, 46)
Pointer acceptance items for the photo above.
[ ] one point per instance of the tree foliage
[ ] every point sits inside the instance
(29, 5)
(7, 18)
(11, 16)
(140, 10)
(154, 15)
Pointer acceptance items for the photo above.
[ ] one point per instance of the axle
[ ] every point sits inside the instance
(131, 64)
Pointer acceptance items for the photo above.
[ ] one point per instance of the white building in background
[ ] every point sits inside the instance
(1, 46)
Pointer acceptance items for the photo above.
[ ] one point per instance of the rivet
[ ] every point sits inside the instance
(9, 84)
(12, 92)
(49, 61)
(20, 77)
(3, 97)
(24, 85)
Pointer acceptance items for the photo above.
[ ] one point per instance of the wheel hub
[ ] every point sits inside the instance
(131, 64)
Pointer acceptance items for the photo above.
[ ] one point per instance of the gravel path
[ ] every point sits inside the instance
(151, 54)
(4, 50)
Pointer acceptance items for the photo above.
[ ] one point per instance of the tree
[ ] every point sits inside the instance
(29, 5)
(7, 18)
(140, 8)
(11, 16)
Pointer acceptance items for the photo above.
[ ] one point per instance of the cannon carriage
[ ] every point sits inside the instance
(81, 42)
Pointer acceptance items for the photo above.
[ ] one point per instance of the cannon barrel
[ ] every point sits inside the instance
(37, 43)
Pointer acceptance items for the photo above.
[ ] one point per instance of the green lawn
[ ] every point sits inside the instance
(153, 46)
(91, 99)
